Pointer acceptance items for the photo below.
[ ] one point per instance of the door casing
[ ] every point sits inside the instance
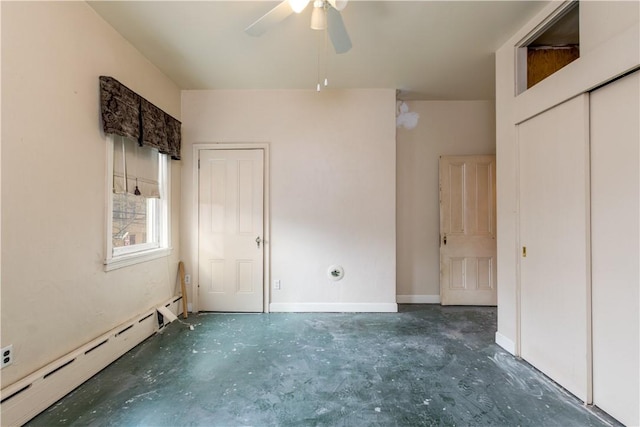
(266, 210)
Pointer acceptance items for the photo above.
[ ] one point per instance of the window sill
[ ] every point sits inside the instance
(136, 258)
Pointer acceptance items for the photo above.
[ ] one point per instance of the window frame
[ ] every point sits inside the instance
(122, 257)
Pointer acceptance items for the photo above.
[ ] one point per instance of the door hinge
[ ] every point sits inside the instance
(198, 163)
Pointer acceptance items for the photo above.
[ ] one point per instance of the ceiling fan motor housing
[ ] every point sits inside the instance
(325, 16)
(338, 4)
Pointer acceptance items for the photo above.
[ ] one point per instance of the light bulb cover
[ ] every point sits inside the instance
(318, 19)
(338, 4)
(298, 5)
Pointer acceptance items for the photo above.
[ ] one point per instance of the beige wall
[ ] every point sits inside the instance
(602, 20)
(55, 293)
(444, 128)
(608, 49)
(333, 188)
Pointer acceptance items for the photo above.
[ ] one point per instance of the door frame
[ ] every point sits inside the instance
(266, 278)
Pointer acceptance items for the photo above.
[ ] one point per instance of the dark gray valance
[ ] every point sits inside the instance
(126, 113)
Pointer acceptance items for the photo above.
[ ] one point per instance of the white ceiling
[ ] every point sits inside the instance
(428, 49)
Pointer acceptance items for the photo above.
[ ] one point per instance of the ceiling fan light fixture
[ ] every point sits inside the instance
(318, 17)
(298, 5)
(338, 4)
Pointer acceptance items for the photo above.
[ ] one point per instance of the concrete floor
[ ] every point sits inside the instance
(426, 365)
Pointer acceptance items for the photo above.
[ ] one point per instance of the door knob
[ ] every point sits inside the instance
(258, 240)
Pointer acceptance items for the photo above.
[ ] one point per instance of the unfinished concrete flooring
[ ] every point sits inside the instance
(426, 365)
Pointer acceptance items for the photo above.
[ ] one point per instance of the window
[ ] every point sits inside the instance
(134, 219)
(137, 203)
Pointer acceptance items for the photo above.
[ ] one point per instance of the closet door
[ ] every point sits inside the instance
(554, 229)
(615, 137)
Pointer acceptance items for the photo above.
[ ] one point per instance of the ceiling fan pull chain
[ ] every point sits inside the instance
(326, 57)
(319, 54)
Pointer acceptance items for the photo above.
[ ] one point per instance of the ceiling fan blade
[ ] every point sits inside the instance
(337, 31)
(271, 18)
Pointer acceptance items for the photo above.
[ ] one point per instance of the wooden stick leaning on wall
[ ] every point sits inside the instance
(183, 289)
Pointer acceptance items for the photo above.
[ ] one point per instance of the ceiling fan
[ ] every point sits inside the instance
(325, 16)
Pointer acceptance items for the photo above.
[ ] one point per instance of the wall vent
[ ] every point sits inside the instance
(96, 346)
(64, 365)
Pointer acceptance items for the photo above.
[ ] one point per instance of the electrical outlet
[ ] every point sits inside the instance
(7, 356)
(187, 279)
(276, 285)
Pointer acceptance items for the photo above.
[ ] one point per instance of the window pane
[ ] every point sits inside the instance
(133, 219)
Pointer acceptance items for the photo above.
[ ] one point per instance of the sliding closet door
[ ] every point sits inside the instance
(554, 235)
(615, 212)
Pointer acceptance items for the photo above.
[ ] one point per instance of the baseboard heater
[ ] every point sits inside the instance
(24, 399)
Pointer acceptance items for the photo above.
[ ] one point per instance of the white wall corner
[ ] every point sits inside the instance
(418, 299)
(207, 118)
(506, 343)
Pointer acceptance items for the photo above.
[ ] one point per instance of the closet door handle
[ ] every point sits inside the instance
(258, 240)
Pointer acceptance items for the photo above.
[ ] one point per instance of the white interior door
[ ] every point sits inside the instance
(615, 209)
(554, 229)
(230, 230)
(468, 230)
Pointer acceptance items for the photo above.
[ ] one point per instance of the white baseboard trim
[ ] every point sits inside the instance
(505, 343)
(333, 308)
(26, 398)
(418, 299)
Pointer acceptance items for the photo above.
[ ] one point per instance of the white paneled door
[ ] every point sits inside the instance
(230, 230)
(615, 209)
(468, 230)
(554, 237)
